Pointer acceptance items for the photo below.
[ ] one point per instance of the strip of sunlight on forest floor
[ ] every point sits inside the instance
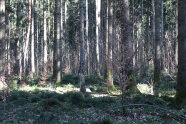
(65, 89)
(143, 88)
(61, 90)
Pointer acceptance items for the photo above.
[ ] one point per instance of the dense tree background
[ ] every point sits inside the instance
(101, 37)
(119, 45)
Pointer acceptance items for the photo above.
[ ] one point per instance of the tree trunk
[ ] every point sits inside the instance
(45, 49)
(181, 79)
(109, 39)
(125, 45)
(36, 30)
(125, 48)
(17, 42)
(2, 34)
(8, 50)
(98, 22)
(157, 42)
(82, 48)
(57, 40)
(87, 39)
(33, 42)
(26, 42)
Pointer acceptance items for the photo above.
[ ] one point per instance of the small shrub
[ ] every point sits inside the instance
(149, 99)
(58, 97)
(99, 102)
(15, 95)
(20, 101)
(70, 97)
(49, 102)
(93, 79)
(34, 99)
(89, 79)
(13, 84)
(74, 98)
(45, 117)
(70, 78)
(98, 88)
(77, 98)
(32, 81)
(159, 100)
(132, 88)
(45, 95)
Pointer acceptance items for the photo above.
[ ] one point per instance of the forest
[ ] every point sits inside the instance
(92, 61)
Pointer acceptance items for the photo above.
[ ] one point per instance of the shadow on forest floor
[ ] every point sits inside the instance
(48, 105)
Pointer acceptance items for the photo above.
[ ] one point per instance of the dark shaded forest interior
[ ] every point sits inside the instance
(92, 61)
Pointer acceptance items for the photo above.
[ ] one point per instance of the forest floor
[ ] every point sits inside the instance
(65, 105)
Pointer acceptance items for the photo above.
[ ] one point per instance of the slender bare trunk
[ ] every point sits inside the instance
(157, 44)
(82, 48)
(98, 22)
(57, 40)
(45, 49)
(26, 42)
(181, 79)
(109, 39)
(2, 34)
(32, 42)
(8, 55)
(87, 39)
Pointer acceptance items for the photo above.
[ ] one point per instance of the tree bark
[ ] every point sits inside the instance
(98, 22)
(125, 44)
(57, 40)
(181, 79)
(2, 34)
(45, 49)
(82, 48)
(8, 55)
(87, 39)
(109, 39)
(157, 44)
(32, 41)
(26, 42)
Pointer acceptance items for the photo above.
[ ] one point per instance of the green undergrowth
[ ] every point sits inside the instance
(92, 81)
(65, 104)
(89, 79)
(45, 104)
(16, 82)
(50, 99)
(167, 89)
(50, 107)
